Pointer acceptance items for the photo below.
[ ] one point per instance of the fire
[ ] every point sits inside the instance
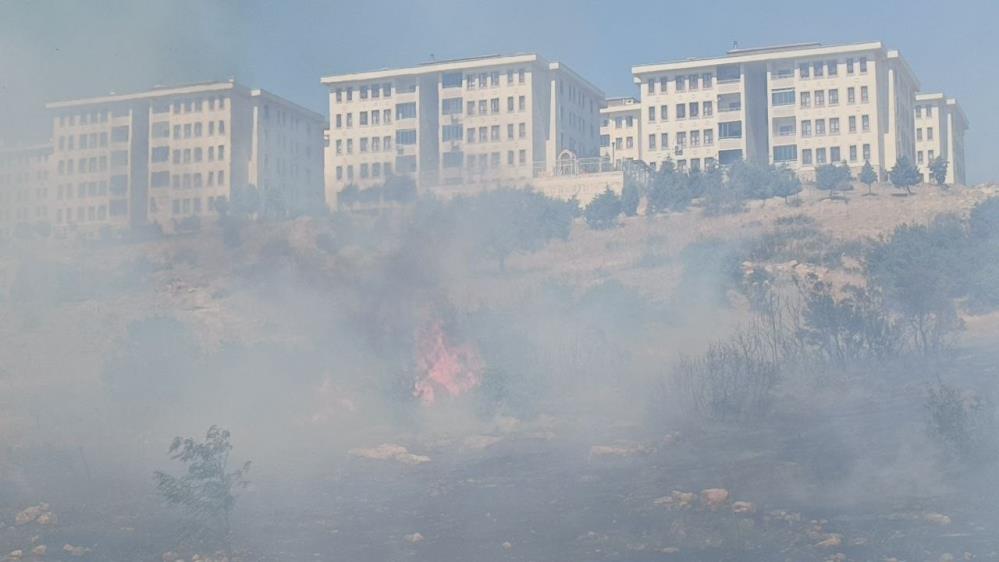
(443, 367)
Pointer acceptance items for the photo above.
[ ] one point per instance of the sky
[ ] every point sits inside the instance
(57, 49)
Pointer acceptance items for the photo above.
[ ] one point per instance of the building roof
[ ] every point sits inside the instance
(156, 92)
(621, 104)
(433, 67)
(278, 99)
(736, 56)
(38, 147)
(558, 66)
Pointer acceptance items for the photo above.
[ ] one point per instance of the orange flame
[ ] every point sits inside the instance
(453, 370)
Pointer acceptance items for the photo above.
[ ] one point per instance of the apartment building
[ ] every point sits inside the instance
(621, 130)
(940, 125)
(449, 124)
(24, 188)
(169, 154)
(800, 106)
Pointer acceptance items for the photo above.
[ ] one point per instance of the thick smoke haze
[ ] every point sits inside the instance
(744, 366)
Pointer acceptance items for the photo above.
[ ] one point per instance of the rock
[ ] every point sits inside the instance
(28, 514)
(668, 550)
(838, 557)
(47, 518)
(414, 538)
(481, 441)
(617, 451)
(937, 519)
(15, 555)
(713, 498)
(677, 500)
(389, 451)
(507, 545)
(75, 550)
(169, 556)
(833, 540)
(39, 551)
(743, 507)
(947, 557)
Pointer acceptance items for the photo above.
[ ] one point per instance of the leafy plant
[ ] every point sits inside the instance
(603, 211)
(904, 175)
(206, 492)
(938, 169)
(867, 176)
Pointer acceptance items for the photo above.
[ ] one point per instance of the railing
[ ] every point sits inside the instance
(575, 167)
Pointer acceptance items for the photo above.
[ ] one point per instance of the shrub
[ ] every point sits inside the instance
(867, 176)
(206, 492)
(733, 380)
(630, 198)
(938, 170)
(919, 271)
(853, 327)
(832, 178)
(904, 175)
(603, 211)
(964, 424)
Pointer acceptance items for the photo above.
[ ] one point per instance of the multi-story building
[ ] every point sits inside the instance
(940, 127)
(24, 188)
(169, 154)
(621, 130)
(487, 120)
(800, 106)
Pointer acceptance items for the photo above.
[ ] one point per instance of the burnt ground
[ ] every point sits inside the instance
(551, 499)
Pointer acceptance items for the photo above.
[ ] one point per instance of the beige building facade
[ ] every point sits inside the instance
(940, 126)
(496, 120)
(621, 130)
(168, 155)
(24, 188)
(799, 106)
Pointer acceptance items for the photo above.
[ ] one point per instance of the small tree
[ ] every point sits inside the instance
(630, 197)
(602, 212)
(868, 176)
(206, 492)
(938, 169)
(787, 184)
(832, 178)
(904, 175)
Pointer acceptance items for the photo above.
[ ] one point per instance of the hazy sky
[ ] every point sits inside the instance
(51, 49)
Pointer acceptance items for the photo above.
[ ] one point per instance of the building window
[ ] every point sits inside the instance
(405, 110)
(806, 99)
(694, 109)
(652, 113)
(786, 153)
(451, 80)
(652, 142)
(664, 141)
(832, 67)
(651, 86)
(853, 153)
(806, 128)
(867, 152)
(853, 123)
(919, 157)
(449, 106)
(782, 97)
(820, 98)
(865, 123)
(851, 95)
(681, 111)
(818, 69)
(709, 137)
(681, 83)
(834, 126)
(806, 156)
(919, 134)
(929, 133)
(707, 109)
(834, 97)
(864, 98)
(405, 137)
(834, 155)
(664, 111)
(730, 130)
(863, 64)
(849, 66)
(820, 127)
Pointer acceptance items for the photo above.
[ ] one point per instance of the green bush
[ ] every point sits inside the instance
(603, 211)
